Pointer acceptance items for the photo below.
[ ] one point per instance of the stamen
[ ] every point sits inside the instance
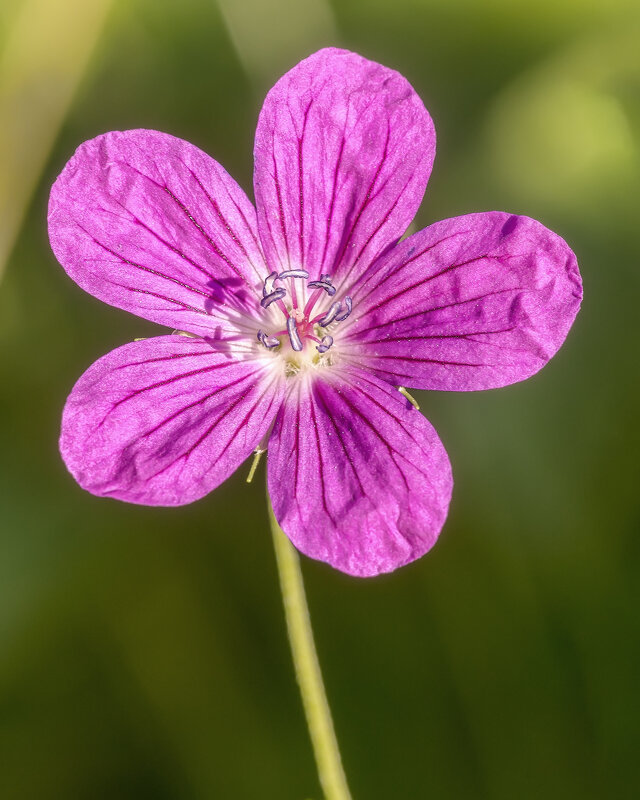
(324, 283)
(325, 344)
(294, 273)
(411, 399)
(300, 322)
(294, 336)
(332, 313)
(257, 455)
(268, 341)
(344, 314)
(184, 333)
(276, 294)
(269, 283)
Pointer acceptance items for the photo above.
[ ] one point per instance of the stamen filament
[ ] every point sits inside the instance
(254, 464)
(294, 273)
(283, 308)
(409, 397)
(311, 302)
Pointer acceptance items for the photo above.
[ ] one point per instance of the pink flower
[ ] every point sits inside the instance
(304, 314)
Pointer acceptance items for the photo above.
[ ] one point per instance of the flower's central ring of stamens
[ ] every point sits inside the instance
(300, 322)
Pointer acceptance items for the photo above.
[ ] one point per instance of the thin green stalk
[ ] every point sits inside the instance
(305, 659)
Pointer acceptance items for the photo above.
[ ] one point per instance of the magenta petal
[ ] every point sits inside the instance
(163, 421)
(343, 151)
(473, 302)
(151, 224)
(357, 476)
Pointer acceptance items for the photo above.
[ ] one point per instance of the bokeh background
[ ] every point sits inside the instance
(143, 651)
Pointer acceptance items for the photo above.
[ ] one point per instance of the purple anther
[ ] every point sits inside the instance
(269, 283)
(276, 294)
(294, 336)
(346, 311)
(324, 283)
(325, 344)
(332, 313)
(268, 341)
(294, 273)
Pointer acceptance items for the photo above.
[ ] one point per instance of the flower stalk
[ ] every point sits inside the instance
(307, 668)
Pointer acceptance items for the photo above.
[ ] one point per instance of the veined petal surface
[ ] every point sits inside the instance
(343, 152)
(357, 476)
(474, 302)
(151, 224)
(165, 420)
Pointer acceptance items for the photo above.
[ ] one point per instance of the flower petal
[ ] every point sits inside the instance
(163, 421)
(473, 302)
(357, 476)
(151, 224)
(344, 148)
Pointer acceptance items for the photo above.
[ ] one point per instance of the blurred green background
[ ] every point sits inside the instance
(143, 651)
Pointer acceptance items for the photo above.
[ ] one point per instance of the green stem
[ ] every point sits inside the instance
(305, 659)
